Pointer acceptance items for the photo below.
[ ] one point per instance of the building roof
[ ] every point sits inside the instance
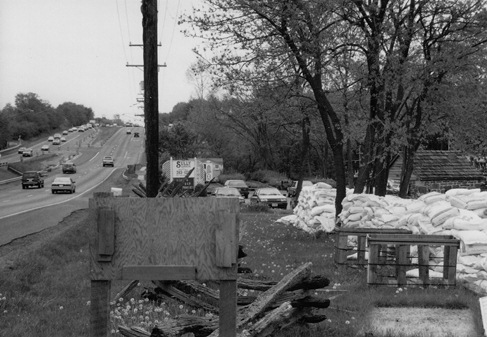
(444, 165)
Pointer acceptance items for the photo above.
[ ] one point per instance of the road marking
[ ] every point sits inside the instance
(95, 156)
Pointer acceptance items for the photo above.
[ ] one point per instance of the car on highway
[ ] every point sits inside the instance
(240, 185)
(136, 134)
(57, 135)
(45, 148)
(56, 141)
(50, 139)
(108, 161)
(229, 192)
(21, 150)
(32, 178)
(69, 167)
(63, 139)
(65, 132)
(63, 184)
(28, 152)
(129, 132)
(270, 196)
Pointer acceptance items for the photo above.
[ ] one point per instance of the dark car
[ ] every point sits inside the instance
(136, 134)
(69, 167)
(240, 185)
(270, 196)
(32, 178)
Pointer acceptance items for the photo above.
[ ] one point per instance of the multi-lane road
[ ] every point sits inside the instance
(27, 211)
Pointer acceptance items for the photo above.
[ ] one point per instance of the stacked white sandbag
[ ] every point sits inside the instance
(315, 210)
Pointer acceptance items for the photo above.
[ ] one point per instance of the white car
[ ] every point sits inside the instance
(270, 196)
(63, 184)
(45, 148)
(229, 192)
(50, 139)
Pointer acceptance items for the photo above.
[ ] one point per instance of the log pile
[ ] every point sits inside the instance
(276, 305)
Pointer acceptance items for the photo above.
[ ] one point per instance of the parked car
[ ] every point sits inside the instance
(32, 178)
(45, 148)
(63, 184)
(69, 167)
(229, 192)
(21, 150)
(28, 152)
(108, 161)
(240, 185)
(270, 196)
(291, 190)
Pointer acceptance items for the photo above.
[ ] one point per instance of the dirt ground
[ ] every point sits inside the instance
(427, 322)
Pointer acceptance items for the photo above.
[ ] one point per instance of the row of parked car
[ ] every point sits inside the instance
(270, 196)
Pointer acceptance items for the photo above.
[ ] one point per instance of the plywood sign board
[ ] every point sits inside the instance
(183, 238)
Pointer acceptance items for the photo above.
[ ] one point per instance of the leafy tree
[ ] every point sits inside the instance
(273, 41)
(4, 130)
(178, 141)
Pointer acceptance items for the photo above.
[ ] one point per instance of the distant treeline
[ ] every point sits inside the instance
(31, 116)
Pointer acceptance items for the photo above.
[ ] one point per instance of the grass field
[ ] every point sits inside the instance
(45, 286)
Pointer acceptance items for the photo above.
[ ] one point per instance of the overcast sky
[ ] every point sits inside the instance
(77, 51)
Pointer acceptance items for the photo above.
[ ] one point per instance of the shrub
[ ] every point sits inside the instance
(272, 178)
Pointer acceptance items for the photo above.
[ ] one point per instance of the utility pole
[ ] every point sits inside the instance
(151, 95)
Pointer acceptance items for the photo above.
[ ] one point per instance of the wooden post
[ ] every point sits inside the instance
(100, 308)
(151, 95)
(401, 263)
(228, 308)
(423, 263)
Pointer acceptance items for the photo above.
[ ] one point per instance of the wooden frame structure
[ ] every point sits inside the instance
(401, 261)
(163, 239)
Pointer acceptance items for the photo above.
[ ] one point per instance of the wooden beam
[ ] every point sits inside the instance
(150, 273)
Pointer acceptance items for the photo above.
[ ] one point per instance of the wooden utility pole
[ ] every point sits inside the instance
(151, 95)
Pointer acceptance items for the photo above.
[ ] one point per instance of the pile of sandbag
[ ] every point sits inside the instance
(315, 210)
(461, 213)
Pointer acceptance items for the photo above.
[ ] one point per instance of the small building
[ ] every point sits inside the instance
(439, 171)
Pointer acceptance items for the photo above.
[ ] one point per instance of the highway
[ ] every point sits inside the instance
(27, 211)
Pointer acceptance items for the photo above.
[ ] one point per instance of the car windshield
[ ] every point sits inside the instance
(237, 183)
(227, 192)
(30, 174)
(62, 181)
(269, 191)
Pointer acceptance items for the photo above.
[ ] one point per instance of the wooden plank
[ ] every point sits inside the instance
(361, 248)
(372, 265)
(225, 240)
(341, 248)
(450, 264)
(413, 239)
(402, 263)
(264, 301)
(158, 273)
(167, 231)
(228, 308)
(100, 308)
(423, 263)
(106, 234)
